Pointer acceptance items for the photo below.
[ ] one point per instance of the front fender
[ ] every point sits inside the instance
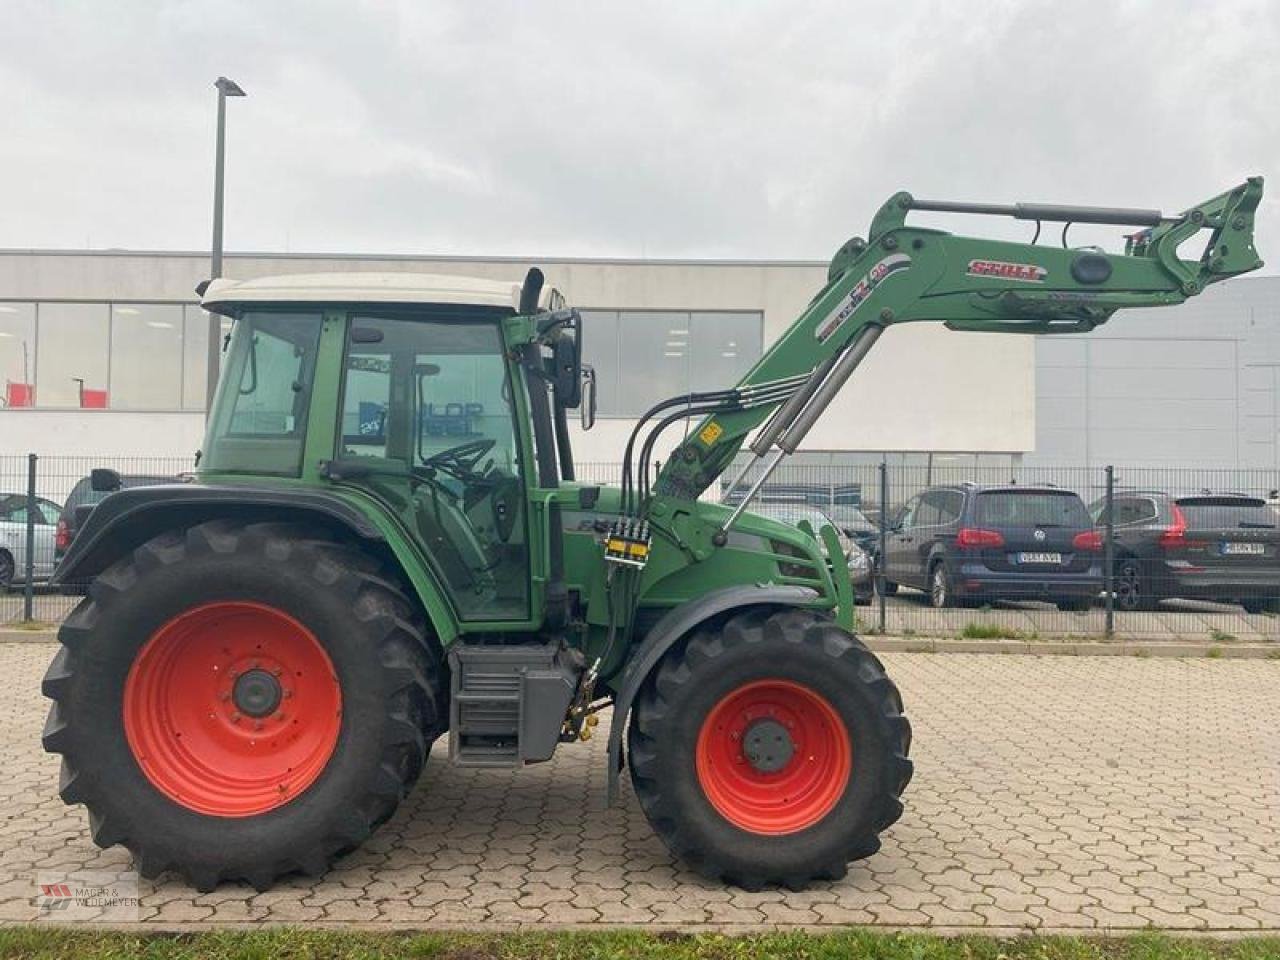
(677, 623)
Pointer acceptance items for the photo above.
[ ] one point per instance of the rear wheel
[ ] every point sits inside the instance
(242, 701)
(940, 587)
(1132, 587)
(770, 750)
(7, 570)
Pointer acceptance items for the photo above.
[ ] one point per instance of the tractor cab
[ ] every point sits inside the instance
(424, 414)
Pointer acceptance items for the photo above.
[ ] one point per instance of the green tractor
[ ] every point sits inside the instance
(385, 542)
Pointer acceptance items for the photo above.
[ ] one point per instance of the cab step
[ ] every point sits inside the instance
(509, 701)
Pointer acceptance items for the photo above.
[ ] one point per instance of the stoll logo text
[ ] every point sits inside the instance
(1027, 272)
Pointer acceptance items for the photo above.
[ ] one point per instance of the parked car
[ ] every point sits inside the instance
(13, 539)
(855, 525)
(858, 560)
(80, 503)
(1201, 546)
(966, 542)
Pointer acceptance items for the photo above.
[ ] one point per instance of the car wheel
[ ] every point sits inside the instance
(939, 587)
(6, 570)
(1131, 587)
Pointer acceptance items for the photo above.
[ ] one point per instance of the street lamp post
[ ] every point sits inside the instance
(226, 88)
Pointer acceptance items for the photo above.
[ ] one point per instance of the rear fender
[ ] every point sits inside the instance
(675, 624)
(129, 518)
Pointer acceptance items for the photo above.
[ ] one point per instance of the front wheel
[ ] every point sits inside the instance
(772, 749)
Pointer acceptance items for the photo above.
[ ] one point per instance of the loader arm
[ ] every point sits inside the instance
(906, 274)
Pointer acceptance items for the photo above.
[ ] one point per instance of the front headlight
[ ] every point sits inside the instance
(859, 562)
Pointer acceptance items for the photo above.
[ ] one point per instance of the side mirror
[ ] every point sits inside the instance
(567, 376)
(104, 480)
(587, 389)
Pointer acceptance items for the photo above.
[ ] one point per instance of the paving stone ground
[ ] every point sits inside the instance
(1054, 793)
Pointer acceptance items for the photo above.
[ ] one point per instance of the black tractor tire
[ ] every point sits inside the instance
(1132, 587)
(389, 672)
(679, 705)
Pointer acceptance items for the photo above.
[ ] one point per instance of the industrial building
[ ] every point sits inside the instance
(105, 353)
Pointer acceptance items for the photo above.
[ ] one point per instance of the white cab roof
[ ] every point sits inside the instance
(374, 288)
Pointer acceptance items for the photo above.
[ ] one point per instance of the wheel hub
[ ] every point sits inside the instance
(767, 746)
(773, 757)
(257, 693)
(232, 708)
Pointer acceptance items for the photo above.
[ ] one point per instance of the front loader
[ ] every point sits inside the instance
(386, 543)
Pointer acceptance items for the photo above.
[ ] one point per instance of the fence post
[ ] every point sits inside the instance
(28, 589)
(884, 541)
(1109, 554)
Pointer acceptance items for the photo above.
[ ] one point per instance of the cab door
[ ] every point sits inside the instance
(428, 426)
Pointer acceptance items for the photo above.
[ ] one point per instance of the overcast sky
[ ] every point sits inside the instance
(689, 129)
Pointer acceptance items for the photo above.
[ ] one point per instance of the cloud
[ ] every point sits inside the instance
(700, 129)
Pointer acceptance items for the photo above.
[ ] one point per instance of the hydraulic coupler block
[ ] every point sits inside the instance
(627, 542)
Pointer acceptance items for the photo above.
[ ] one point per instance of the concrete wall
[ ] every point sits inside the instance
(922, 388)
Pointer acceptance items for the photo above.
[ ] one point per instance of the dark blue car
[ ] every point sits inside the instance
(978, 543)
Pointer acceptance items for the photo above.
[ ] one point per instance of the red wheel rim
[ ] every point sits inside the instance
(232, 709)
(773, 757)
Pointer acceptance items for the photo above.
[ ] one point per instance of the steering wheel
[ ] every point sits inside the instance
(461, 462)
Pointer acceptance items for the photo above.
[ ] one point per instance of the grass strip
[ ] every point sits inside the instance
(282, 943)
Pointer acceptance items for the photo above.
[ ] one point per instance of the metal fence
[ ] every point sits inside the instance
(1135, 575)
(37, 495)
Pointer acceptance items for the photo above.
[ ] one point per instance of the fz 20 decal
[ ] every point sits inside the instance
(861, 290)
(1027, 272)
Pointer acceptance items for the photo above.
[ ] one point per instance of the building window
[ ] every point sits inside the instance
(146, 356)
(644, 356)
(72, 367)
(195, 356)
(17, 354)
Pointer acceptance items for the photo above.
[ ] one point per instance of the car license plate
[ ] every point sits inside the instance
(1244, 549)
(1040, 558)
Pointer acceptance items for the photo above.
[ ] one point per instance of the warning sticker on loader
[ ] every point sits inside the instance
(860, 292)
(710, 433)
